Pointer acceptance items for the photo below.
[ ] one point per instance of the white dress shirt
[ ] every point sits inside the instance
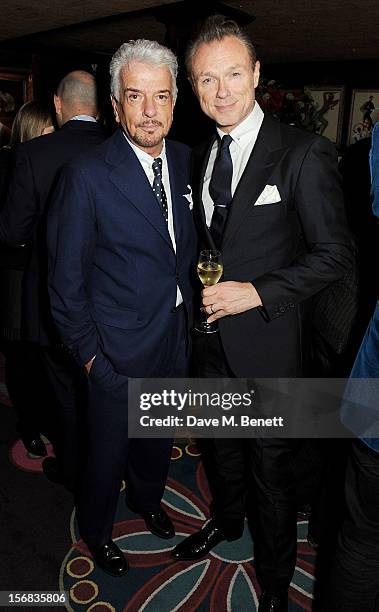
(146, 162)
(88, 118)
(244, 138)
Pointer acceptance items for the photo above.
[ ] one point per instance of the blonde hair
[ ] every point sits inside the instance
(30, 121)
(216, 28)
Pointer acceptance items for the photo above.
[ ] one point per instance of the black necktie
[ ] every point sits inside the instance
(220, 189)
(158, 187)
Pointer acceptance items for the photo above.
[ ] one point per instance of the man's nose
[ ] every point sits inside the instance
(150, 107)
(222, 90)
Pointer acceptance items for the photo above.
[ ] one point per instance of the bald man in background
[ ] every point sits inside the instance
(22, 220)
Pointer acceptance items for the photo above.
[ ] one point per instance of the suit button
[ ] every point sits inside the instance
(282, 309)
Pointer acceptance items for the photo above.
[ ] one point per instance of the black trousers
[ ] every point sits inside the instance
(355, 573)
(28, 388)
(257, 469)
(67, 407)
(111, 455)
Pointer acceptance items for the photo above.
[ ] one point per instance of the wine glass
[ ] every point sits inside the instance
(209, 270)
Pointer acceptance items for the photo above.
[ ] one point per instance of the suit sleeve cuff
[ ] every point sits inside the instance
(272, 307)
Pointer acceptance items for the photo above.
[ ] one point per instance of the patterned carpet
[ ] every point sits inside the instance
(224, 581)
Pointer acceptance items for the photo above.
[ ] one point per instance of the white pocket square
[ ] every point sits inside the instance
(270, 195)
(188, 197)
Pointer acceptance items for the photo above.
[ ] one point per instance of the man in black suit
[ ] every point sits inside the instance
(23, 220)
(268, 197)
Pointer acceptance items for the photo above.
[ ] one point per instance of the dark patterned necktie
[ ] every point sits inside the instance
(220, 189)
(158, 187)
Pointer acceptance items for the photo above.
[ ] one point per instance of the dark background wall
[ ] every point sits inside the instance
(49, 66)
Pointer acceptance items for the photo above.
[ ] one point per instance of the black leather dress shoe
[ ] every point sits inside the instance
(52, 471)
(35, 446)
(110, 559)
(200, 543)
(273, 603)
(159, 523)
(304, 512)
(312, 540)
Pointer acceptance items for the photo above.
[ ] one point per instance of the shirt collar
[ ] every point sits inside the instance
(83, 118)
(143, 157)
(248, 128)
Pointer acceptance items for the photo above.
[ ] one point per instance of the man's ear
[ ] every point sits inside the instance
(257, 69)
(58, 105)
(115, 109)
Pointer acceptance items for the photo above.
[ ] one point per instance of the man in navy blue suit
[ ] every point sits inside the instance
(122, 251)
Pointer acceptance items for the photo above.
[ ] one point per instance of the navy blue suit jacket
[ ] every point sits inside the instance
(360, 410)
(113, 272)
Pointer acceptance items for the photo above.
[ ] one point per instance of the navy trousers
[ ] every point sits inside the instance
(112, 456)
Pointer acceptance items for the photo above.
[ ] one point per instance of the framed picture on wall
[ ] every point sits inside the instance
(363, 102)
(16, 87)
(324, 107)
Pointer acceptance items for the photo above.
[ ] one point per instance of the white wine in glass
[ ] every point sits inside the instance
(209, 270)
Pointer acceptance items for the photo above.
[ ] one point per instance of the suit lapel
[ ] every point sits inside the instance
(130, 178)
(201, 159)
(264, 158)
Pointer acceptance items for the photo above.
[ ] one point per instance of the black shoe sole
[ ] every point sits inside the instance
(106, 571)
(188, 558)
(160, 535)
(33, 454)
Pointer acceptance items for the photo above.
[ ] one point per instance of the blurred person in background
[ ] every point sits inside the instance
(23, 369)
(23, 220)
(354, 582)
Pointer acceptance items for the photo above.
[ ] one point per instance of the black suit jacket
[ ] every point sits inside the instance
(23, 219)
(289, 250)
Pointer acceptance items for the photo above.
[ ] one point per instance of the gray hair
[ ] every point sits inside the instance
(215, 28)
(146, 51)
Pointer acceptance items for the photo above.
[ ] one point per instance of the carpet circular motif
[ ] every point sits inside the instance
(224, 581)
(20, 457)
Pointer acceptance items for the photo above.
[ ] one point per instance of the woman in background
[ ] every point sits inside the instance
(22, 371)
